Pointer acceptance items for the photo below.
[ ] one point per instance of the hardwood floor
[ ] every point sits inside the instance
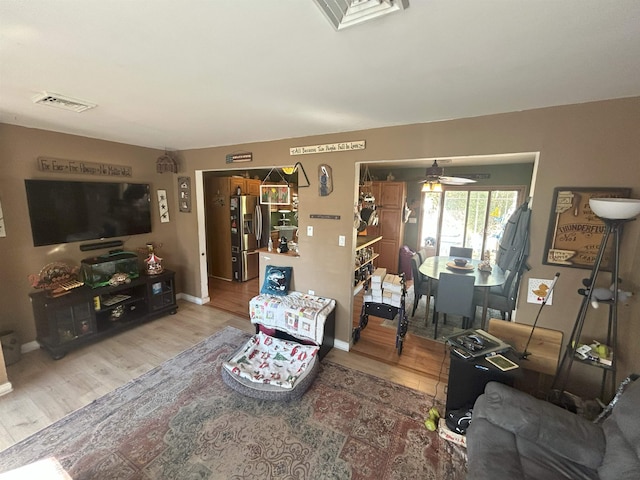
(45, 390)
(232, 296)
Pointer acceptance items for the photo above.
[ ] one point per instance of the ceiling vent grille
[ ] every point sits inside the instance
(346, 13)
(60, 101)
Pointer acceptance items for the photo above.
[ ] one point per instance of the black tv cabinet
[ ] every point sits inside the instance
(87, 314)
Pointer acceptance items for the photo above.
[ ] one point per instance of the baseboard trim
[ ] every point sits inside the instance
(340, 345)
(5, 388)
(29, 346)
(192, 299)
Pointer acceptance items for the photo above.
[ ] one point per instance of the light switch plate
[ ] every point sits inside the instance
(310, 231)
(342, 240)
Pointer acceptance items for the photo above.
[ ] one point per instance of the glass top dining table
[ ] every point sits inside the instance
(433, 266)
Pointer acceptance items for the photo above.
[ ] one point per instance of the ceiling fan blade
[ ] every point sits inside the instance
(456, 180)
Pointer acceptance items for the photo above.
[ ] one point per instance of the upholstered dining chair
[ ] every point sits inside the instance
(502, 297)
(420, 283)
(461, 252)
(454, 297)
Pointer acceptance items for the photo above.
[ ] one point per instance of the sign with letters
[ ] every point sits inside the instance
(59, 165)
(575, 232)
(328, 148)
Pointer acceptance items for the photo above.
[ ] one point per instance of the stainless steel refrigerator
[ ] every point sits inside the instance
(250, 230)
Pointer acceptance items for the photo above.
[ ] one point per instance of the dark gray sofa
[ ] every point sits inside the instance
(515, 436)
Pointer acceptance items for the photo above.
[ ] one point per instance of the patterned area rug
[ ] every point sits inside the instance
(180, 421)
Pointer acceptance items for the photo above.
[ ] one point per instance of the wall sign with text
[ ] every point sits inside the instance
(575, 232)
(59, 165)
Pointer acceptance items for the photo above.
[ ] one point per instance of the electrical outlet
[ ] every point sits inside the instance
(310, 231)
(342, 240)
(312, 292)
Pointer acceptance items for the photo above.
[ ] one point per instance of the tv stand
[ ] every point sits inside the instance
(85, 314)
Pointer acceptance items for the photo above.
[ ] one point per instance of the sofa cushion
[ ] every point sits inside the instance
(622, 434)
(620, 459)
(492, 452)
(543, 423)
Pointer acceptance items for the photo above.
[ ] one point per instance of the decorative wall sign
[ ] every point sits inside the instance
(163, 206)
(59, 165)
(239, 157)
(575, 232)
(166, 163)
(275, 195)
(324, 217)
(184, 194)
(328, 148)
(325, 180)
(539, 290)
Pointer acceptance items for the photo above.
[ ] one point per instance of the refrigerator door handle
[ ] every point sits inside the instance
(258, 223)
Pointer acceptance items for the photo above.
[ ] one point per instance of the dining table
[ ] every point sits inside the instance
(432, 267)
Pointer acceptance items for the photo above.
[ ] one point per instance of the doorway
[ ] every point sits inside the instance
(214, 189)
(473, 216)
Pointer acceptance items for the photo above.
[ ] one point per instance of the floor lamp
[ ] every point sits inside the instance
(615, 212)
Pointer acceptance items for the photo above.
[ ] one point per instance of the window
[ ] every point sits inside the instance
(468, 216)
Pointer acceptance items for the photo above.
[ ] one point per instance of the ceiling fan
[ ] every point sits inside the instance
(435, 177)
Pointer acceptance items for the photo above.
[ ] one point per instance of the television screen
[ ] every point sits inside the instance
(68, 211)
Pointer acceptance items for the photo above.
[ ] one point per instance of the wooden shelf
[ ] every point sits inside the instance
(366, 241)
(375, 255)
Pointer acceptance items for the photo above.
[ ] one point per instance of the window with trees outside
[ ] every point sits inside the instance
(468, 216)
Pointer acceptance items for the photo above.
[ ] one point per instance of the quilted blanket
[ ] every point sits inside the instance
(265, 359)
(298, 314)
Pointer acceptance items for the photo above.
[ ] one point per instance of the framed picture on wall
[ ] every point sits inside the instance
(575, 232)
(275, 195)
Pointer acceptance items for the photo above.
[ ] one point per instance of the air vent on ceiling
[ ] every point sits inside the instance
(345, 13)
(60, 101)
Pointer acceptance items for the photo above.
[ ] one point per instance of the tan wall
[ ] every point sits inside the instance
(19, 150)
(594, 144)
(591, 144)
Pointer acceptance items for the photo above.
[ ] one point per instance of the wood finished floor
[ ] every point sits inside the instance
(45, 390)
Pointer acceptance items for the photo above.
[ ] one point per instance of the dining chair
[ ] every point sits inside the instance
(420, 284)
(502, 297)
(454, 297)
(461, 252)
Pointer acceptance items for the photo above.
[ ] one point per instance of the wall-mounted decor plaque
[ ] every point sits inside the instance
(328, 148)
(184, 194)
(60, 165)
(575, 232)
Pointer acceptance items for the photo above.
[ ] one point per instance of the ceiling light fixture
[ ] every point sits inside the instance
(431, 187)
(345, 13)
(435, 174)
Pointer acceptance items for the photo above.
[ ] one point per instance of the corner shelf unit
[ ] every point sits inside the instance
(360, 275)
(87, 314)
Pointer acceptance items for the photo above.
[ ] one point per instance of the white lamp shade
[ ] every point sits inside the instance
(615, 208)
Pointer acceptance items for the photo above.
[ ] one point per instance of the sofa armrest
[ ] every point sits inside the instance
(542, 423)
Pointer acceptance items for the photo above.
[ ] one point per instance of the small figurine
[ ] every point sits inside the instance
(283, 247)
(154, 263)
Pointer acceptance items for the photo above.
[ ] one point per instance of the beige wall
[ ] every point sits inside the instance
(593, 144)
(19, 150)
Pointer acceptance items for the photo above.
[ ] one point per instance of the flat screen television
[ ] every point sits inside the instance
(70, 211)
